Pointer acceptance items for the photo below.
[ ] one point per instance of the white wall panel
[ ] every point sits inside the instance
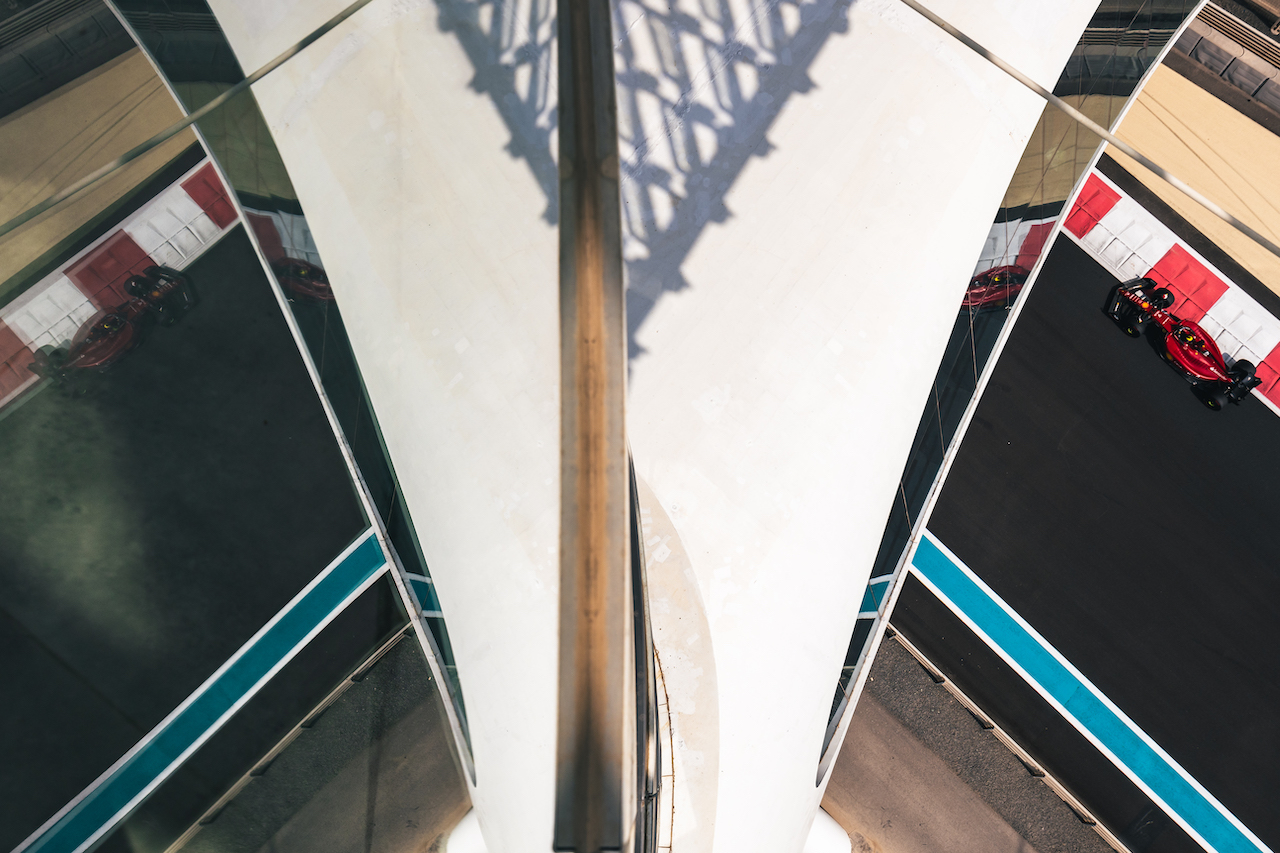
(808, 187)
(442, 254)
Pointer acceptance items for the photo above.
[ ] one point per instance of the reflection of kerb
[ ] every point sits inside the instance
(682, 639)
(283, 235)
(172, 229)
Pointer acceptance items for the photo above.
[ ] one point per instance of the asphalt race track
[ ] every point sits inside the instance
(1135, 529)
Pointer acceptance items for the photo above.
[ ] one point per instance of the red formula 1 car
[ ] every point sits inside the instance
(161, 295)
(303, 278)
(1142, 305)
(995, 288)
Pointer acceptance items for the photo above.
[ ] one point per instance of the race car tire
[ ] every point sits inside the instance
(1162, 297)
(1135, 325)
(1213, 399)
(137, 285)
(1243, 369)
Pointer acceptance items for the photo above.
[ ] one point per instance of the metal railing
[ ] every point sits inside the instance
(648, 747)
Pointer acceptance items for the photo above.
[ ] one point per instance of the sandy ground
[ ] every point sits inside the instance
(1218, 151)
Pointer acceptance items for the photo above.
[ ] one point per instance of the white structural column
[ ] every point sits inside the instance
(418, 137)
(807, 187)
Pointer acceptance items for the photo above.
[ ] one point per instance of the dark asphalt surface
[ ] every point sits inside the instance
(1135, 530)
(1033, 723)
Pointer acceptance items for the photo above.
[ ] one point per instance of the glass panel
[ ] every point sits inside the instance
(186, 42)
(170, 480)
(346, 748)
(74, 95)
(861, 634)
(1121, 42)
(179, 33)
(441, 635)
(44, 46)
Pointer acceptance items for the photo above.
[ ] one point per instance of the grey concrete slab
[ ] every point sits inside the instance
(917, 773)
(893, 794)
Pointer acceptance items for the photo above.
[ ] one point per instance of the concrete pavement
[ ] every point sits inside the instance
(917, 774)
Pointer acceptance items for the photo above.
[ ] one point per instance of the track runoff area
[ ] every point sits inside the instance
(1101, 571)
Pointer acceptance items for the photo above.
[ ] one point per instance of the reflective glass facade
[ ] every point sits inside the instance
(1123, 40)
(189, 581)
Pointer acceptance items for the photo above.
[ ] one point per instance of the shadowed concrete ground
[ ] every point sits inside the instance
(917, 774)
(375, 774)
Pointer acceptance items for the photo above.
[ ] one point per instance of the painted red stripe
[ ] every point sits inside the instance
(1033, 245)
(207, 191)
(1195, 289)
(1269, 373)
(14, 360)
(101, 274)
(1094, 202)
(264, 227)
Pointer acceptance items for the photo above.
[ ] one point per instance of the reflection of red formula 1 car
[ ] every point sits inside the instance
(1188, 348)
(303, 278)
(997, 287)
(161, 294)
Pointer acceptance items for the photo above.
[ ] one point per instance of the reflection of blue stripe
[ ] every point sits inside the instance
(426, 595)
(1082, 701)
(874, 595)
(215, 699)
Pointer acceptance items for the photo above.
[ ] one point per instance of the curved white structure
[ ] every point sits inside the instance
(826, 836)
(466, 836)
(796, 287)
(443, 260)
(806, 189)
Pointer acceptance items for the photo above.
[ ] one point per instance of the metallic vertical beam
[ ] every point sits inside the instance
(595, 757)
(648, 750)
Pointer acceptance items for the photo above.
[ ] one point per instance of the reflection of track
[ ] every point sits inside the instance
(1134, 529)
(172, 229)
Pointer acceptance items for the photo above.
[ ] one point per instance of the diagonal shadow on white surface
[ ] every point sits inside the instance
(696, 98)
(511, 46)
(698, 87)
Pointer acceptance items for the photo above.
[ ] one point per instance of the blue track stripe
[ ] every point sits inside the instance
(1084, 705)
(216, 698)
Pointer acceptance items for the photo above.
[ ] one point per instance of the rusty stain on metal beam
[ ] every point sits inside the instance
(595, 749)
